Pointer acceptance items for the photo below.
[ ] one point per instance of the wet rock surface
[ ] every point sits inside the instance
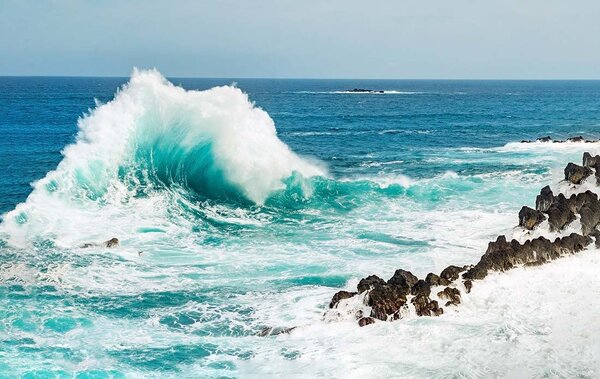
(341, 295)
(576, 173)
(530, 218)
(404, 292)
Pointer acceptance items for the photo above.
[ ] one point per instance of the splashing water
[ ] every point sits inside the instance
(224, 231)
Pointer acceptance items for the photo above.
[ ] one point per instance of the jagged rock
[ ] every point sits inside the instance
(468, 285)
(576, 139)
(596, 235)
(386, 300)
(560, 213)
(369, 282)
(590, 217)
(450, 294)
(544, 139)
(576, 173)
(451, 273)
(426, 307)
(366, 321)
(274, 331)
(341, 295)
(112, 242)
(403, 279)
(502, 255)
(421, 288)
(589, 160)
(435, 280)
(530, 218)
(544, 200)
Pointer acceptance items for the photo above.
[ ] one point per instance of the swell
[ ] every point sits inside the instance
(158, 141)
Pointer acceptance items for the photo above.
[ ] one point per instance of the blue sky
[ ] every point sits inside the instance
(522, 39)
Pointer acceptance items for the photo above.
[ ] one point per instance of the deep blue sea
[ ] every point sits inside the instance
(242, 204)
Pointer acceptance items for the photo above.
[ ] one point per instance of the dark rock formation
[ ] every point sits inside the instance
(386, 301)
(502, 255)
(468, 285)
(575, 173)
(589, 160)
(425, 306)
(544, 139)
(341, 295)
(403, 279)
(530, 218)
(451, 273)
(576, 139)
(590, 217)
(113, 242)
(369, 282)
(364, 90)
(560, 213)
(421, 288)
(544, 200)
(450, 294)
(435, 280)
(364, 321)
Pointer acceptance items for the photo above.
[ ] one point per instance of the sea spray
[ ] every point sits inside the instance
(156, 136)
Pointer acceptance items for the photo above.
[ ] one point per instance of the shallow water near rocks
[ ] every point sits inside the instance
(245, 223)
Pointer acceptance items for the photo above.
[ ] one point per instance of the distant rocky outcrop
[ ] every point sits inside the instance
(363, 90)
(404, 292)
(570, 139)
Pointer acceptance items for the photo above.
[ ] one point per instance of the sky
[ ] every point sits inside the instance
(428, 39)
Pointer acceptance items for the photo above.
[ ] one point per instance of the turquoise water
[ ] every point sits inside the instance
(240, 208)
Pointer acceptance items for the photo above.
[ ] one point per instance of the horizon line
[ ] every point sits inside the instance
(303, 78)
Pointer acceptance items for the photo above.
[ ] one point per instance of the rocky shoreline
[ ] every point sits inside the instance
(404, 293)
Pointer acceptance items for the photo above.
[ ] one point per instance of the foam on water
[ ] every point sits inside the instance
(154, 135)
(224, 231)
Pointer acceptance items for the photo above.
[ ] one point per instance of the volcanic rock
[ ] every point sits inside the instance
(450, 294)
(576, 173)
(451, 273)
(403, 279)
(544, 200)
(530, 218)
(341, 295)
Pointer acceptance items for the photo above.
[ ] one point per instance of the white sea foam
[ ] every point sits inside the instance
(206, 140)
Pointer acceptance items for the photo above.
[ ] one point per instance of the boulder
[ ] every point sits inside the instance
(451, 273)
(403, 279)
(434, 280)
(386, 301)
(530, 218)
(544, 200)
(590, 217)
(113, 242)
(450, 294)
(468, 285)
(364, 321)
(369, 282)
(426, 307)
(560, 213)
(576, 139)
(590, 161)
(575, 173)
(544, 139)
(421, 288)
(341, 295)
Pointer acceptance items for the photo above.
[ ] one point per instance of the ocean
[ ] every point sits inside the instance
(245, 204)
